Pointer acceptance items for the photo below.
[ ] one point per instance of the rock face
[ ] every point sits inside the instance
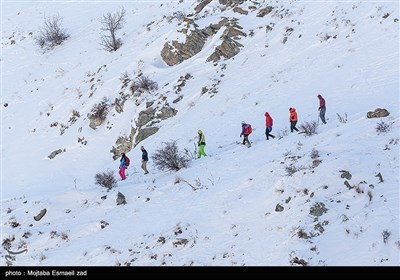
(174, 52)
(166, 113)
(201, 5)
(145, 133)
(123, 144)
(146, 116)
(378, 113)
(240, 11)
(230, 3)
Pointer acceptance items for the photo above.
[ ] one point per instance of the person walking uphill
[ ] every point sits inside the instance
(268, 126)
(145, 159)
(201, 143)
(124, 163)
(246, 131)
(322, 108)
(293, 119)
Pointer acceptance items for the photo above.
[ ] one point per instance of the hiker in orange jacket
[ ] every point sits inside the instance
(293, 119)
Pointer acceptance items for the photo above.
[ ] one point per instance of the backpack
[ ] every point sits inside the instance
(248, 130)
(127, 161)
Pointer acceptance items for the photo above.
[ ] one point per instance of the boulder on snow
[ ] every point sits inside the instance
(345, 174)
(265, 11)
(279, 208)
(146, 116)
(54, 153)
(145, 133)
(167, 112)
(201, 5)
(378, 113)
(120, 199)
(123, 144)
(240, 11)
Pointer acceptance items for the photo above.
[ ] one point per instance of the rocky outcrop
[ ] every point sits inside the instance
(230, 3)
(123, 144)
(279, 208)
(146, 116)
(201, 5)
(166, 113)
(240, 11)
(144, 133)
(378, 113)
(265, 11)
(95, 121)
(174, 52)
(345, 174)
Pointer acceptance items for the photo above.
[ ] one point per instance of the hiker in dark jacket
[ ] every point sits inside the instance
(268, 125)
(145, 159)
(245, 133)
(122, 166)
(293, 119)
(322, 108)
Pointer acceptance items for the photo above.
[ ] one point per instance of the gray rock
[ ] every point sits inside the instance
(120, 199)
(240, 11)
(146, 116)
(378, 113)
(345, 174)
(230, 3)
(149, 103)
(265, 11)
(123, 144)
(95, 122)
(201, 5)
(279, 208)
(228, 48)
(166, 113)
(119, 105)
(144, 133)
(347, 184)
(54, 153)
(379, 175)
(318, 209)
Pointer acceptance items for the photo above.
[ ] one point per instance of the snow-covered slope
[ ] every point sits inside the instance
(346, 51)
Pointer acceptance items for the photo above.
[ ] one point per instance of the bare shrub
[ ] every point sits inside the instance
(13, 223)
(314, 153)
(168, 157)
(385, 235)
(342, 119)
(370, 195)
(297, 261)
(110, 24)
(51, 34)
(282, 133)
(144, 84)
(106, 179)
(101, 109)
(7, 242)
(382, 127)
(291, 169)
(309, 128)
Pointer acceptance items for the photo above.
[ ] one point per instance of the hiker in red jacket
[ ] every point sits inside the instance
(293, 119)
(322, 108)
(268, 125)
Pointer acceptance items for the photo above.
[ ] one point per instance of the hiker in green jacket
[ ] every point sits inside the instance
(201, 143)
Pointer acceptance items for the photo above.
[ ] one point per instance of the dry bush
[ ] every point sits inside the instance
(100, 110)
(382, 127)
(144, 84)
(385, 235)
(291, 169)
(309, 128)
(168, 157)
(106, 179)
(314, 153)
(342, 119)
(51, 34)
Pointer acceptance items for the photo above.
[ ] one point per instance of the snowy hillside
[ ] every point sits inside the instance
(328, 199)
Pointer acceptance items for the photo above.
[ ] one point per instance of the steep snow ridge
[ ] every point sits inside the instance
(348, 52)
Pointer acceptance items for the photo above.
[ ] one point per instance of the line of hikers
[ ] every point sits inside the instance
(246, 131)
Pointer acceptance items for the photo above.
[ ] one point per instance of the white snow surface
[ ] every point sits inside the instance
(231, 219)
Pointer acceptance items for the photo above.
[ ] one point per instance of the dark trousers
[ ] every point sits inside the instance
(322, 114)
(246, 139)
(267, 132)
(293, 126)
